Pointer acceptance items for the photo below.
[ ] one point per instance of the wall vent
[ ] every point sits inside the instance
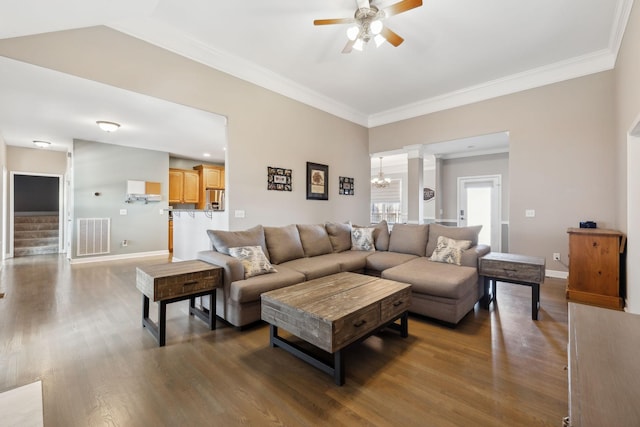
(93, 236)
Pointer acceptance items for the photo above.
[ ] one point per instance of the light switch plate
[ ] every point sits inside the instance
(123, 211)
(530, 213)
(239, 214)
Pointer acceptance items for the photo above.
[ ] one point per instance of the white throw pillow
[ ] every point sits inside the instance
(253, 260)
(449, 250)
(362, 239)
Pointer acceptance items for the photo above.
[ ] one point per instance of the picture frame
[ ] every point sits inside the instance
(279, 179)
(428, 194)
(346, 186)
(317, 181)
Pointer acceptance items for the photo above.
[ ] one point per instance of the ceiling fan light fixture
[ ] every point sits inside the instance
(358, 45)
(352, 32)
(379, 40)
(375, 27)
(108, 126)
(41, 144)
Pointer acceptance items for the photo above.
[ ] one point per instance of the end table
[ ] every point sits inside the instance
(177, 281)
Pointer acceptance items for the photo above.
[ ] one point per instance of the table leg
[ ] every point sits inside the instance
(404, 325)
(273, 333)
(162, 322)
(535, 300)
(338, 368)
(145, 310)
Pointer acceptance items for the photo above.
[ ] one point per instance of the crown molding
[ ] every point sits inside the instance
(177, 42)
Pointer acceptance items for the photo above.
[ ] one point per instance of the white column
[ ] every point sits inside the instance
(415, 185)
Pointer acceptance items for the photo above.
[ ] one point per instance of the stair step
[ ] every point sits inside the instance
(34, 234)
(26, 243)
(35, 219)
(28, 226)
(41, 250)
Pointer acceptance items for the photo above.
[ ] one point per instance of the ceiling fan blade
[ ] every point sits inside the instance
(391, 37)
(348, 47)
(333, 21)
(402, 6)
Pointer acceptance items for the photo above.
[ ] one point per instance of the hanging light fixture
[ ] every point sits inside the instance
(380, 181)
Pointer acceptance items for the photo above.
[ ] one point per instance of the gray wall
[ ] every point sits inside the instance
(105, 169)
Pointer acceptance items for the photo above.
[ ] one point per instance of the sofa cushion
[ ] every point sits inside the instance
(449, 250)
(457, 233)
(223, 240)
(312, 268)
(339, 235)
(435, 278)
(409, 239)
(253, 260)
(362, 239)
(354, 261)
(380, 235)
(283, 243)
(380, 260)
(315, 239)
(249, 290)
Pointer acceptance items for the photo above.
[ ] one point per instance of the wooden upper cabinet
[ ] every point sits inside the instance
(184, 186)
(211, 178)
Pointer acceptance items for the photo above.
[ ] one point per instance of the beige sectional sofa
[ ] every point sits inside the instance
(299, 252)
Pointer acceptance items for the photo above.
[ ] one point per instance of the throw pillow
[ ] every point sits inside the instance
(362, 239)
(457, 233)
(380, 234)
(449, 250)
(253, 260)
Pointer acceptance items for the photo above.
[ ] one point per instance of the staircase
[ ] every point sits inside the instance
(35, 235)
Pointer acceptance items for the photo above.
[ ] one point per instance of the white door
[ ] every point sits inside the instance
(479, 203)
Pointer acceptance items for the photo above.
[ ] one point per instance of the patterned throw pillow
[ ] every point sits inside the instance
(362, 239)
(253, 260)
(449, 250)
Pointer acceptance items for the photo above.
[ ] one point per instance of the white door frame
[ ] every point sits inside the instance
(62, 231)
(496, 202)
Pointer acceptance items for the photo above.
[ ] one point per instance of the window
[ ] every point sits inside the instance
(386, 203)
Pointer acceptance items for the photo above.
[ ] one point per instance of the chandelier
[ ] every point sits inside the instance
(380, 181)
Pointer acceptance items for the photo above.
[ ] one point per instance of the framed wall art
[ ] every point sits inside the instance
(317, 181)
(346, 186)
(429, 194)
(278, 179)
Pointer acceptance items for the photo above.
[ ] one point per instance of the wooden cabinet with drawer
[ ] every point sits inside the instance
(184, 186)
(596, 263)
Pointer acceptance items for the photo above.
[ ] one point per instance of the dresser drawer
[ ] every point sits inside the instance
(395, 305)
(523, 272)
(356, 325)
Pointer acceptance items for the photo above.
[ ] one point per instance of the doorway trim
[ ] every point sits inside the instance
(496, 201)
(62, 232)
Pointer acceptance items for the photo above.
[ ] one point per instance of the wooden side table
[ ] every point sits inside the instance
(512, 268)
(177, 281)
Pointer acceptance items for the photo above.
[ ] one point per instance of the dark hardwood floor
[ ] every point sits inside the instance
(78, 329)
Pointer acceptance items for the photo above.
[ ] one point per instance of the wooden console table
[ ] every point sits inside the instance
(177, 281)
(512, 268)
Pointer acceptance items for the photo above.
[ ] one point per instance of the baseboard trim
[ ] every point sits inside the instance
(163, 253)
(556, 274)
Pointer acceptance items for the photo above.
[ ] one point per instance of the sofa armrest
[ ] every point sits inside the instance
(471, 255)
(233, 269)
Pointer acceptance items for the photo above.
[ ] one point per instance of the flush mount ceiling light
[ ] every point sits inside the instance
(368, 23)
(41, 144)
(108, 126)
(380, 181)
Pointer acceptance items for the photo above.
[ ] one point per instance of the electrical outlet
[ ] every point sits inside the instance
(556, 256)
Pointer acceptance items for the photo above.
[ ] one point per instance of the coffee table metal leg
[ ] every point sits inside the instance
(145, 310)
(535, 300)
(404, 325)
(338, 368)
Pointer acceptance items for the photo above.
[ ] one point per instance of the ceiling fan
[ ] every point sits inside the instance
(368, 23)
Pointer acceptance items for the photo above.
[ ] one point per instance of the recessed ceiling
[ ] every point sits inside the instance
(455, 51)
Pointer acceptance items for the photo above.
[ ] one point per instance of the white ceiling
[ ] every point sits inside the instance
(455, 51)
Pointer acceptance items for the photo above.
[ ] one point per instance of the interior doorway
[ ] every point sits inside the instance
(479, 203)
(36, 214)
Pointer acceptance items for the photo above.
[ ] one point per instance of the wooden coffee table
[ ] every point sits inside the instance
(333, 312)
(176, 281)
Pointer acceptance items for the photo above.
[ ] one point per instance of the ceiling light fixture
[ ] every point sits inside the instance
(380, 181)
(42, 144)
(108, 126)
(368, 27)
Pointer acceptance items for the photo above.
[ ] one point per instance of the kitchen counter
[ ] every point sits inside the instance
(190, 231)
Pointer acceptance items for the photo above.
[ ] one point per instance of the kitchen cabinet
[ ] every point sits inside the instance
(596, 260)
(184, 186)
(211, 178)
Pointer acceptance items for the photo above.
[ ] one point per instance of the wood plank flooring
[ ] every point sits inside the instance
(79, 330)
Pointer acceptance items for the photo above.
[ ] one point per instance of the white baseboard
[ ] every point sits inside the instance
(163, 253)
(556, 274)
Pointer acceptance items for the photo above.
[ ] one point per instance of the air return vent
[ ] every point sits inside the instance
(93, 236)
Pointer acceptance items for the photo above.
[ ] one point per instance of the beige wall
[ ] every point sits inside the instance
(4, 202)
(562, 155)
(627, 87)
(36, 160)
(264, 128)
